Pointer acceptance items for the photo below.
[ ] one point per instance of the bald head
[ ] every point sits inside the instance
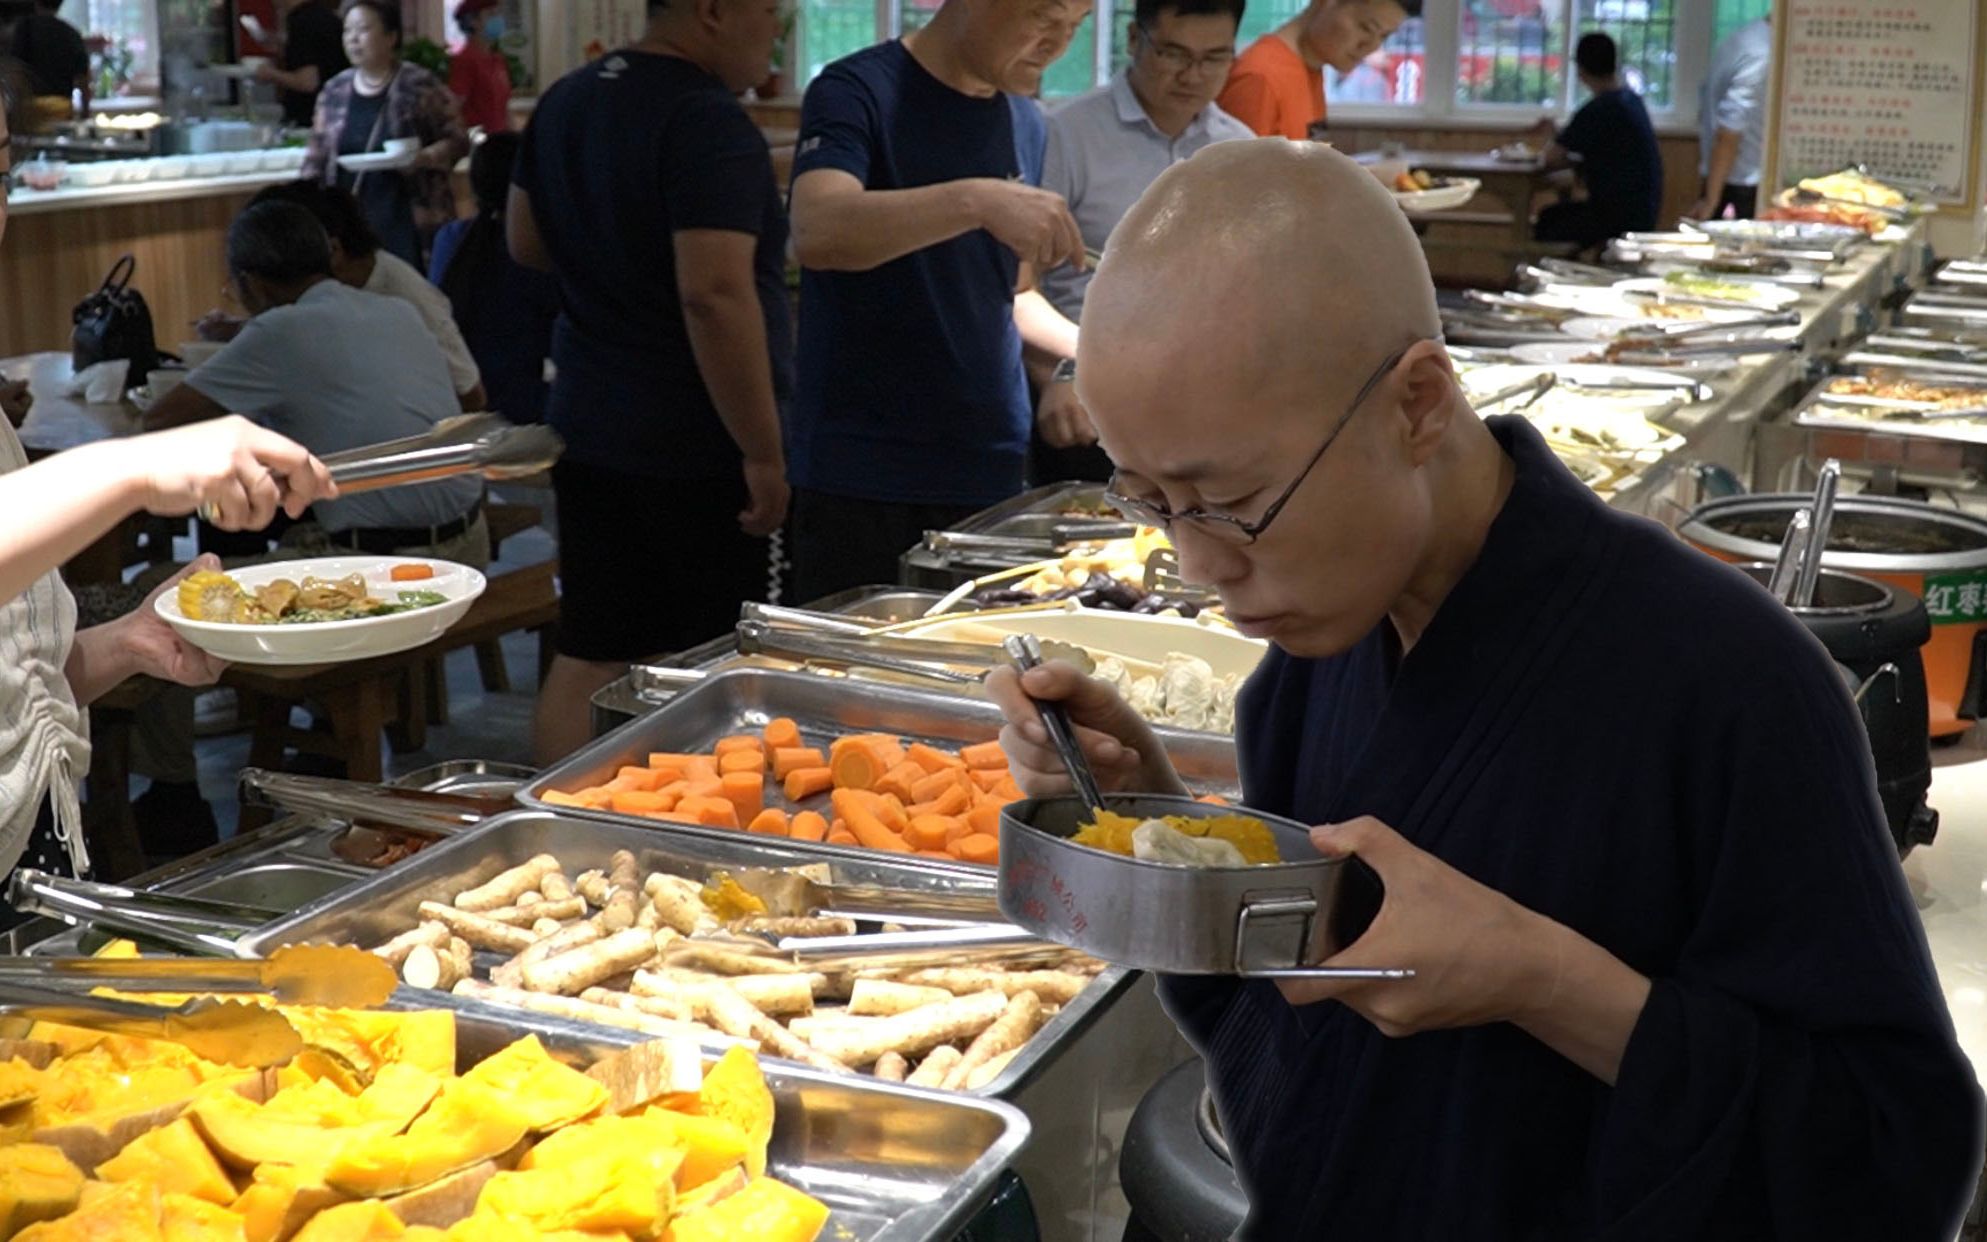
(1283, 250)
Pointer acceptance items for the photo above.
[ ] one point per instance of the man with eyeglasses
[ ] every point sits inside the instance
(1277, 87)
(1107, 146)
(1668, 981)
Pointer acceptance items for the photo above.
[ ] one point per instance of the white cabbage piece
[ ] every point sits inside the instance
(1155, 840)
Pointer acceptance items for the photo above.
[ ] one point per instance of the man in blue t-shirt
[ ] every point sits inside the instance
(1615, 146)
(916, 218)
(646, 190)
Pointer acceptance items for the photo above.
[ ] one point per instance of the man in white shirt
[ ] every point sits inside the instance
(1731, 122)
(358, 261)
(1108, 145)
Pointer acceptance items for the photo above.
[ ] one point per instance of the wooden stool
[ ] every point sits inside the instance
(363, 698)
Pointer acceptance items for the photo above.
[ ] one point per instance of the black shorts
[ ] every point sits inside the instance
(650, 566)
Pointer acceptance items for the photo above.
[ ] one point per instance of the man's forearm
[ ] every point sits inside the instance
(1592, 1002)
(60, 506)
(855, 231)
(98, 663)
(1042, 326)
(728, 339)
(1718, 170)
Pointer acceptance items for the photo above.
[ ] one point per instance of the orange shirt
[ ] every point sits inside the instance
(1272, 90)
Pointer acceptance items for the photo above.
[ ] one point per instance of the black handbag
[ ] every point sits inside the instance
(114, 322)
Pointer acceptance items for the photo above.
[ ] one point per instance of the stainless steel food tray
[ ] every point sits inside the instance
(1032, 515)
(743, 700)
(895, 1164)
(1949, 448)
(385, 904)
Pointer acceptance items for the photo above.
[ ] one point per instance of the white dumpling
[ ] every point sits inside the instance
(1187, 690)
(1155, 840)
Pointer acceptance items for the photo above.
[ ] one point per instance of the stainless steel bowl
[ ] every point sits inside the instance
(1271, 921)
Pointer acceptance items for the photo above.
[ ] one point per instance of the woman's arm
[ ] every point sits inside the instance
(325, 124)
(438, 123)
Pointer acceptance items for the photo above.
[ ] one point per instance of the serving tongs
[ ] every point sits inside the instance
(1524, 304)
(984, 944)
(1063, 535)
(1532, 388)
(933, 659)
(484, 444)
(1658, 353)
(230, 1032)
(338, 978)
(358, 802)
(1823, 517)
(1803, 196)
(188, 924)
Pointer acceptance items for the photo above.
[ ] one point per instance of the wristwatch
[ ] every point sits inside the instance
(1065, 372)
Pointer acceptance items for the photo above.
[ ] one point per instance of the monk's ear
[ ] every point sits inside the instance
(1428, 382)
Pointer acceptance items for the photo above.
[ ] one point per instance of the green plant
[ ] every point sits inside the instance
(427, 54)
(785, 37)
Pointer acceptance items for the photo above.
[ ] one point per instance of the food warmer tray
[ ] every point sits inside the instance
(643, 689)
(385, 904)
(1032, 517)
(743, 700)
(893, 1163)
(1954, 449)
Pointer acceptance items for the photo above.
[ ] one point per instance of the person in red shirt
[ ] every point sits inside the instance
(478, 74)
(1277, 86)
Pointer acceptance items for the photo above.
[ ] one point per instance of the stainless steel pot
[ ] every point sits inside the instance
(1272, 921)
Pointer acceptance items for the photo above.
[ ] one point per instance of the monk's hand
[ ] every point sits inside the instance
(1478, 956)
(1123, 750)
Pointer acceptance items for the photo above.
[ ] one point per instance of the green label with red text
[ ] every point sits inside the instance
(1955, 599)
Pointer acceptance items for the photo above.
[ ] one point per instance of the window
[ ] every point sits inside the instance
(1520, 52)
(1644, 33)
(1732, 14)
(124, 52)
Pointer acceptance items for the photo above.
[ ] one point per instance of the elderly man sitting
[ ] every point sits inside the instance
(333, 368)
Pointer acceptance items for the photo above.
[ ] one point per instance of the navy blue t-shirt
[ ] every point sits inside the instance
(1619, 160)
(619, 156)
(910, 386)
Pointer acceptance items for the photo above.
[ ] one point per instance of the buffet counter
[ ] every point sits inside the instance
(24, 202)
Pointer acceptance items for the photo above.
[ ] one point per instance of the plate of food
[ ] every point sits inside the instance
(320, 611)
(1561, 353)
(1721, 289)
(1418, 190)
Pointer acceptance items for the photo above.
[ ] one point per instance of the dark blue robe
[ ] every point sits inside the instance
(1614, 730)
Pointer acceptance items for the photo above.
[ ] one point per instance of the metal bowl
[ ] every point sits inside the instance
(1271, 921)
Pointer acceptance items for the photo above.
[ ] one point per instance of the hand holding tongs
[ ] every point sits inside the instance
(482, 444)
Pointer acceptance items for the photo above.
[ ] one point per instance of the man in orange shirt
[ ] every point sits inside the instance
(1277, 87)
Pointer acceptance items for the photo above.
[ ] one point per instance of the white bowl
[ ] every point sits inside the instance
(332, 642)
(92, 176)
(171, 167)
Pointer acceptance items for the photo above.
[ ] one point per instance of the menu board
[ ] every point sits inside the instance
(1891, 84)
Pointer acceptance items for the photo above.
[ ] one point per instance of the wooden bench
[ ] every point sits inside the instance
(364, 698)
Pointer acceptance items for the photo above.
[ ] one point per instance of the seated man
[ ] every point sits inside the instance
(1105, 147)
(357, 260)
(333, 369)
(1615, 146)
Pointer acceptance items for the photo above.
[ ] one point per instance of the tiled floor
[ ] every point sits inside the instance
(481, 726)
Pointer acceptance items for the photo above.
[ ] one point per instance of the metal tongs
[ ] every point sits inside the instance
(1731, 346)
(416, 810)
(1803, 195)
(188, 924)
(1531, 389)
(484, 444)
(338, 978)
(231, 1032)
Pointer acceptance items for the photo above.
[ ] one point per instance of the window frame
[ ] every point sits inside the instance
(1692, 27)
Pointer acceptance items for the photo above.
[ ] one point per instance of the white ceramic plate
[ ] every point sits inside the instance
(1602, 327)
(1610, 302)
(332, 642)
(1560, 353)
(1762, 297)
(1454, 194)
(1666, 387)
(378, 161)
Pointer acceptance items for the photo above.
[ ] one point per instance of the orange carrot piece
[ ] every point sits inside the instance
(934, 854)
(697, 767)
(859, 811)
(808, 826)
(987, 778)
(982, 756)
(960, 828)
(747, 792)
(932, 759)
(984, 818)
(929, 832)
(954, 801)
(1212, 800)
(1007, 791)
(898, 780)
(890, 809)
(978, 847)
(737, 741)
(647, 779)
(780, 731)
(753, 761)
(671, 759)
(705, 786)
(553, 797)
(711, 812)
(858, 763)
(806, 782)
(410, 573)
(787, 758)
(771, 822)
(936, 783)
(595, 799)
(642, 802)
(842, 836)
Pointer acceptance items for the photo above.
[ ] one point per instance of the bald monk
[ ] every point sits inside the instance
(1669, 982)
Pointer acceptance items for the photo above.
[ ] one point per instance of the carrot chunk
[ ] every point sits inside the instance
(978, 847)
(983, 756)
(808, 826)
(770, 822)
(806, 782)
(780, 731)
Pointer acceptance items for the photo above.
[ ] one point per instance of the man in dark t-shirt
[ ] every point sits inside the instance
(1615, 146)
(646, 190)
(313, 54)
(57, 59)
(916, 219)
